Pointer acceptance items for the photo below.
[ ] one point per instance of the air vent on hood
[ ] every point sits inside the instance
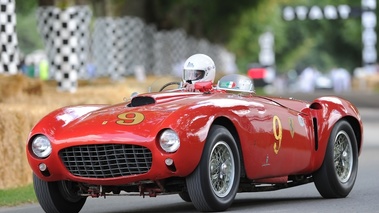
(141, 101)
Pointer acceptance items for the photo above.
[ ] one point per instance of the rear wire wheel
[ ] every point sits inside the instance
(337, 175)
(214, 183)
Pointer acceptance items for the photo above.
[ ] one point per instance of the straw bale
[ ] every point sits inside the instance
(14, 86)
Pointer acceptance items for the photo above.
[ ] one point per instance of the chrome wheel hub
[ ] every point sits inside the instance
(343, 156)
(221, 169)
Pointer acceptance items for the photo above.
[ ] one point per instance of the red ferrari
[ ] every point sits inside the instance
(205, 146)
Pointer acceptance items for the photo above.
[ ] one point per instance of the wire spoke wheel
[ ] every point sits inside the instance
(338, 172)
(214, 183)
(221, 169)
(343, 156)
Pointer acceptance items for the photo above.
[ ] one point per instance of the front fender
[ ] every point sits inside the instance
(59, 118)
(193, 128)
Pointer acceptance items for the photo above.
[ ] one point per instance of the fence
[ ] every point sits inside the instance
(9, 57)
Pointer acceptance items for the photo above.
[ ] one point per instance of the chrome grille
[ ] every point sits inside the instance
(106, 160)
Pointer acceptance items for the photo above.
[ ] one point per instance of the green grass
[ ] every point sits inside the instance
(17, 196)
(259, 91)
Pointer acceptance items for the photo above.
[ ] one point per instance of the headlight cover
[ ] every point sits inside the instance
(169, 141)
(41, 146)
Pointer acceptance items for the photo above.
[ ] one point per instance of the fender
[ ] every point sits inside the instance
(193, 133)
(61, 117)
(326, 112)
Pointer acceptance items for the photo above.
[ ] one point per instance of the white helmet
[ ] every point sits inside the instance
(199, 67)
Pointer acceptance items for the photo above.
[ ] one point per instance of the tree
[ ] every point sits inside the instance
(238, 25)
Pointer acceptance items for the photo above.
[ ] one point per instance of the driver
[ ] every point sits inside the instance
(198, 68)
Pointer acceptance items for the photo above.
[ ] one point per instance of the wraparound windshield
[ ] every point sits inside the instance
(235, 82)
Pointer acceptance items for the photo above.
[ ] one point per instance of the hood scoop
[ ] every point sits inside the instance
(159, 98)
(141, 101)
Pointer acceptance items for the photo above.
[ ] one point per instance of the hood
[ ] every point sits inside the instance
(146, 114)
(290, 103)
(140, 118)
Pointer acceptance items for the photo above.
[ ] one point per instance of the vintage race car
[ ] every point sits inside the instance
(205, 146)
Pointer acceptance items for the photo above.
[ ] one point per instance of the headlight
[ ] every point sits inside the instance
(41, 146)
(169, 140)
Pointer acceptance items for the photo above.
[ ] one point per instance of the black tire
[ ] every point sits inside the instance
(58, 197)
(185, 196)
(337, 175)
(219, 169)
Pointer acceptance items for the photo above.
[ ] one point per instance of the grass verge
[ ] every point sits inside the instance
(17, 196)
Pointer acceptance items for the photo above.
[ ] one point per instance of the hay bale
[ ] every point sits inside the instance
(14, 125)
(16, 86)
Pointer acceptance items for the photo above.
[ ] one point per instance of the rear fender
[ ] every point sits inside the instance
(325, 113)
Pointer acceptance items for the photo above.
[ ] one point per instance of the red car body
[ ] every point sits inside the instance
(277, 139)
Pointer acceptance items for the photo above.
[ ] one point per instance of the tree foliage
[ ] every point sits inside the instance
(238, 25)
(26, 27)
(299, 43)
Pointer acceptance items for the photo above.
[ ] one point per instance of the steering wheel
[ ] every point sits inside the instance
(169, 84)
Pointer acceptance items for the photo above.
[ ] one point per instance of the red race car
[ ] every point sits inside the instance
(205, 146)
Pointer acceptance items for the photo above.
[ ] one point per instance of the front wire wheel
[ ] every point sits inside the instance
(337, 175)
(214, 183)
(59, 196)
(221, 168)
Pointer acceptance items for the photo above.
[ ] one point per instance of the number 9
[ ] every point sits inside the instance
(130, 118)
(278, 133)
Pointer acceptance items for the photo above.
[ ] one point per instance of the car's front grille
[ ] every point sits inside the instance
(106, 160)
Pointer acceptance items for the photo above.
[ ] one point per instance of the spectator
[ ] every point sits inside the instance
(341, 80)
(307, 79)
